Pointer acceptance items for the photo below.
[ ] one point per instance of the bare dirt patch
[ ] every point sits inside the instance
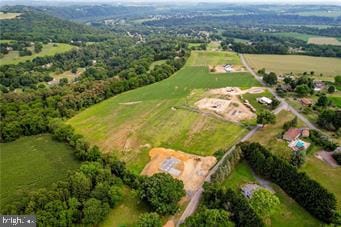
(130, 103)
(190, 169)
(225, 103)
(221, 69)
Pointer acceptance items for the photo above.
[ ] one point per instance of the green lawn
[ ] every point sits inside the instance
(33, 162)
(326, 175)
(280, 64)
(268, 136)
(127, 212)
(252, 98)
(155, 63)
(336, 100)
(133, 121)
(289, 213)
(205, 58)
(48, 50)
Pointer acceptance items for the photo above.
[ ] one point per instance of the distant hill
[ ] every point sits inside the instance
(85, 13)
(35, 24)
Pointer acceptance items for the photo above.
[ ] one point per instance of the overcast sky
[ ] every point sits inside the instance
(193, 1)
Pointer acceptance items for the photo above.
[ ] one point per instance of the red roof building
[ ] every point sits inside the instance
(292, 134)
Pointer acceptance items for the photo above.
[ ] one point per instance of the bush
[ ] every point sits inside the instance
(322, 140)
(307, 192)
(210, 218)
(264, 203)
(162, 193)
(215, 197)
(149, 220)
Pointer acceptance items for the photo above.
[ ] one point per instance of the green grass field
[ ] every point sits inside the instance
(252, 98)
(205, 58)
(127, 212)
(327, 176)
(48, 50)
(296, 35)
(155, 63)
(336, 100)
(280, 64)
(289, 213)
(33, 162)
(133, 121)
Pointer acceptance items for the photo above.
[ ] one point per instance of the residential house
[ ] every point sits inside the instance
(318, 85)
(292, 134)
(306, 102)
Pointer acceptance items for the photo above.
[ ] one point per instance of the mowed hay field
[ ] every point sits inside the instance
(131, 123)
(324, 41)
(280, 64)
(31, 163)
(48, 50)
(205, 58)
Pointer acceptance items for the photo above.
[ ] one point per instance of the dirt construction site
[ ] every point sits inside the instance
(190, 169)
(222, 69)
(225, 103)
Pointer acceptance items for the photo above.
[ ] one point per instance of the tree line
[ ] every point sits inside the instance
(28, 113)
(307, 192)
(88, 194)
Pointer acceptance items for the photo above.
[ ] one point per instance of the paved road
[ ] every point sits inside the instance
(195, 199)
(283, 102)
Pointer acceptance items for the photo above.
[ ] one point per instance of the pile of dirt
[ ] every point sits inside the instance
(225, 103)
(191, 169)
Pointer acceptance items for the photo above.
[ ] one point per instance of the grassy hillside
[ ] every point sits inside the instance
(144, 117)
(133, 122)
(329, 67)
(48, 50)
(289, 213)
(33, 162)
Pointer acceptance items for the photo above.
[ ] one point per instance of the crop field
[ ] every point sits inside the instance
(205, 58)
(48, 50)
(324, 41)
(33, 162)
(7, 16)
(289, 213)
(133, 122)
(280, 64)
(296, 35)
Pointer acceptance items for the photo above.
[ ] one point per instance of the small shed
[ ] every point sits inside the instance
(264, 100)
(306, 102)
(249, 189)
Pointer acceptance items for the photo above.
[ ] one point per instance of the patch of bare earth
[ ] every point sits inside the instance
(190, 169)
(225, 103)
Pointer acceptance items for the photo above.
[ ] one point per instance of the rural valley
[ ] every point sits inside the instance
(157, 114)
